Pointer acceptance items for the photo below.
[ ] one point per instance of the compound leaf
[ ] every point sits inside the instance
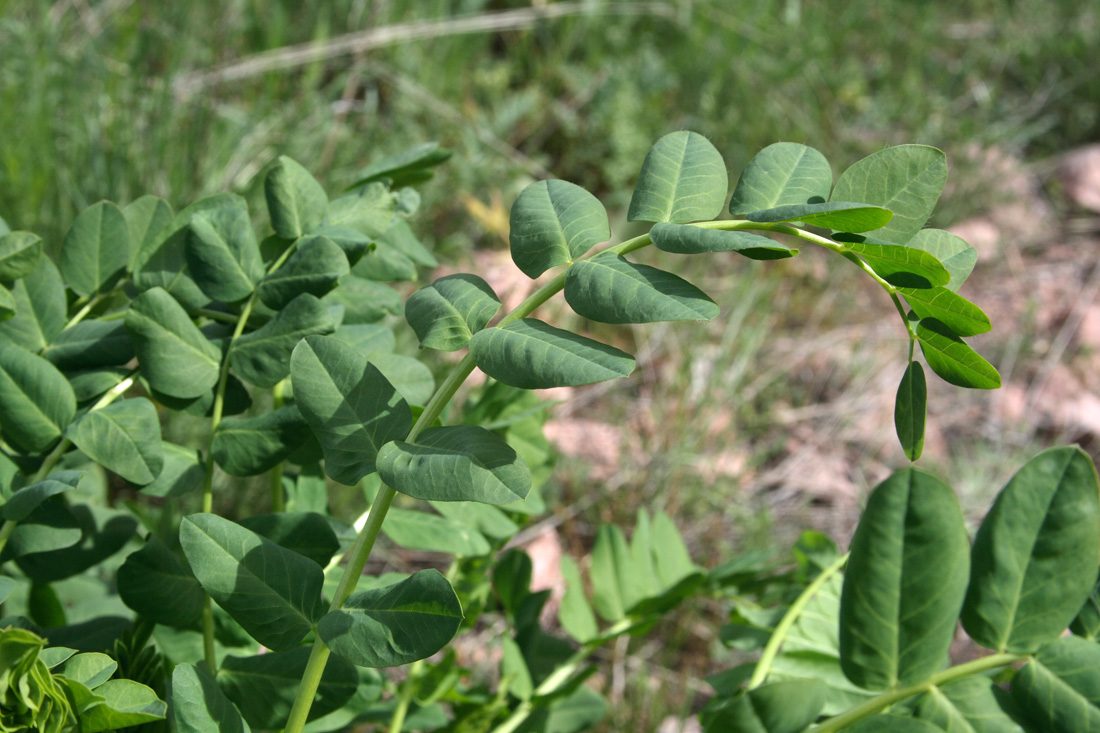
(574, 613)
(610, 289)
(146, 218)
(455, 463)
(954, 361)
(364, 301)
(554, 222)
(273, 593)
(840, 215)
(1059, 689)
(19, 254)
(295, 200)
(123, 437)
(24, 501)
(969, 705)
(314, 268)
(307, 533)
(432, 533)
(394, 625)
(446, 314)
(223, 254)
(898, 265)
(96, 249)
(182, 472)
(531, 354)
(693, 240)
(782, 174)
(910, 410)
(907, 179)
(174, 356)
(1034, 559)
(954, 311)
(951, 250)
(904, 584)
(408, 166)
(119, 704)
(351, 408)
(683, 178)
(262, 357)
(779, 707)
(39, 308)
(90, 345)
(36, 401)
(253, 445)
(199, 705)
(159, 586)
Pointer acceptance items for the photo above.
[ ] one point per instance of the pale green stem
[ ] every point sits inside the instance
(890, 697)
(80, 314)
(217, 315)
(763, 665)
(278, 500)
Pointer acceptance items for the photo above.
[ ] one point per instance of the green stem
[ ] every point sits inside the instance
(890, 697)
(217, 315)
(763, 665)
(5, 533)
(80, 314)
(208, 634)
(278, 498)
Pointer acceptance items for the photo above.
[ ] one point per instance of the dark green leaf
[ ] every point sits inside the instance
(412, 380)
(21, 503)
(273, 593)
(898, 265)
(1059, 689)
(182, 472)
(237, 400)
(51, 526)
(364, 301)
(91, 344)
(295, 200)
(96, 249)
(19, 254)
(456, 463)
(39, 308)
(351, 408)
(199, 705)
(952, 359)
(910, 410)
(395, 625)
(951, 250)
(1034, 559)
(893, 724)
(103, 533)
(904, 584)
(954, 311)
(263, 687)
(123, 437)
(531, 354)
(610, 289)
(352, 243)
(251, 446)
(90, 384)
(307, 533)
(683, 178)
(36, 401)
(368, 210)
(314, 268)
(401, 238)
(384, 263)
(174, 356)
(159, 586)
(968, 705)
(7, 304)
(779, 707)
(146, 218)
(404, 167)
(223, 254)
(840, 215)
(44, 608)
(693, 240)
(1087, 623)
(907, 179)
(432, 533)
(262, 357)
(553, 223)
(782, 174)
(447, 313)
(367, 337)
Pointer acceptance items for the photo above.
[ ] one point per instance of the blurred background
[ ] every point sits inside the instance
(775, 417)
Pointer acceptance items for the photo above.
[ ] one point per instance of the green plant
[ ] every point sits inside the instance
(257, 620)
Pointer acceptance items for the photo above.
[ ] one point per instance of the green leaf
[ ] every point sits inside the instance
(887, 723)
(951, 250)
(91, 344)
(954, 311)
(237, 400)
(446, 314)
(124, 703)
(615, 587)
(182, 472)
(779, 707)
(123, 437)
(307, 533)
(159, 586)
(1034, 558)
(782, 174)
(351, 408)
(840, 215)
(44, 607)
(910, 410)
(514, 669)
(314, 268)
(21, 503)
(251, 446)
(52, 656)
(485, 518)
(19, 254)
(295, 200)
(199, 705)
(36, 401)
(174, 356)
(610, 289)
(904, 584)
(395, 625)
(1059, 689)
(103, 532)
(907, 179)
(262, 358)
(146, 218)
(51, 526)
(92, 383)
(968, 705)
(263, 687)
(401, 238)
(7, 304)
(385, 263)
(412, 380)
(683, 178)
(898, 265)
(273, 593)
(954, 361)
(431, 533)
(39, 308)
(223, 254)
(96, 249)
(1086, 624)
(7, 585)
(408, 166)
(456, 463)
(368, 210)
(90, 669)
(367, 337)
(352, 243)
(694, 240)
(671, 558)
(553, 223)
(364, 301)
(531, 354)
(574, 613)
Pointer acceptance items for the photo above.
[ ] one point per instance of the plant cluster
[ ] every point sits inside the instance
(267, 622)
